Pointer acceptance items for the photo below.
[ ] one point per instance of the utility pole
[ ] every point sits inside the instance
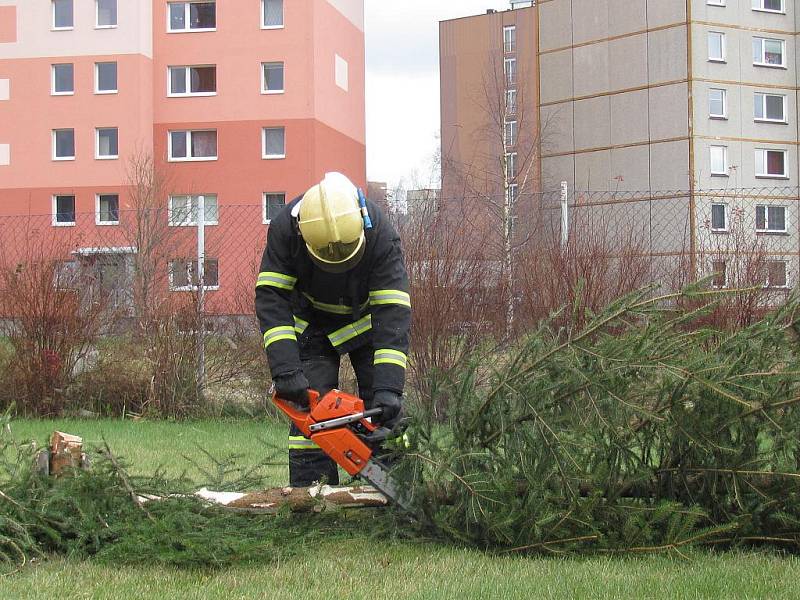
(201, 294)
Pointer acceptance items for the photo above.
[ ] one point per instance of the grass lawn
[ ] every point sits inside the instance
(358, 567)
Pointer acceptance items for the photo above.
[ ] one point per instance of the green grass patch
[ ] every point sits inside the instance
(357, 564)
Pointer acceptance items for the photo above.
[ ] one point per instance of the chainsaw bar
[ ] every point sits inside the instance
(378, 476)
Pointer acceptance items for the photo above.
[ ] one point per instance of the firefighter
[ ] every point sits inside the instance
(333, 282)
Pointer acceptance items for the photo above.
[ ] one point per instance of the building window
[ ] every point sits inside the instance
(273, 204)
(107, 147)
(717, 104)
(774, 274)
(510, 133)
(62, 14)
(183, 210)
(719, 268)
(771, 219)
(63, 144)
(63, 211)
(719, 160)
(510, 70)
(192, 16)
(107, 209)
(512, 194)
(274, 142)
(106, 13)
(770, 163)
(716, 46)
(715, 2)
(63, 77)
(768, 52)
(272, 78)
(511, 166)
(719, 217)
(510, 39)
(769, 5)
(200, 80)
(770, 107)
(183, 275)
(272, 14)
(192, 145)
(105, 78)
(341, 72)
(511, 102)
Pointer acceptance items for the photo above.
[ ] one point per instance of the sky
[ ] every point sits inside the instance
(402, 39)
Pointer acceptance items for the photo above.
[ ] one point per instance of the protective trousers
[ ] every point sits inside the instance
(307, 463)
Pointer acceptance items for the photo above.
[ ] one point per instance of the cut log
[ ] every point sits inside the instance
(301, 499)
(66, 451)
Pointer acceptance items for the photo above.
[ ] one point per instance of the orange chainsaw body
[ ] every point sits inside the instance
(342, 444)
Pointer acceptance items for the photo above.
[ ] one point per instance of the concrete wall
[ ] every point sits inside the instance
(614, 94)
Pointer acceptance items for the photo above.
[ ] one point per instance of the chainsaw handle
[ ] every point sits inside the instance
(373, 412)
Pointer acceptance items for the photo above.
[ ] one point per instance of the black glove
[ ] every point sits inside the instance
(292, 387)
(392, 405)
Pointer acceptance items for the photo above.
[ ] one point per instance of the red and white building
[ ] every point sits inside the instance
(246, 103)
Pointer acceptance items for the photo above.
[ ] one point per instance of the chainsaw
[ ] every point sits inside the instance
(339, 424)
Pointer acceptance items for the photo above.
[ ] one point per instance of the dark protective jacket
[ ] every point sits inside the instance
(369, 304)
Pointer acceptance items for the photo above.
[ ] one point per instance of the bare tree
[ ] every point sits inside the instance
(147, 231)
(495, 189)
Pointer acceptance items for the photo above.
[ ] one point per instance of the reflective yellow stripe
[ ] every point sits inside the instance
(385, 356)
(337, 309)
(278, 280)
(379, 297)
(298, 442)
(276, 334)
(340, 336)
(300, 325)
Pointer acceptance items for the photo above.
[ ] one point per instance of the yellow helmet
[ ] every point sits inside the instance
(332, 225)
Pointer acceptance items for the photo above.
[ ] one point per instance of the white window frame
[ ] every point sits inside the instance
(189, 133)
(264, 154)
(511, 133)
(715, 2)
(511, 161)
(264, 219)
(767, 209)
(263, 16)
(187, 19)
(761, 63)
(511, 93)
(714, 173)
(724, 114)
(264, 65)
(725, 228)
(191, 221)
(187, 75)
(97, 16)
(53, 91)
(765, 119)
(53, 17)
(74, 211)
(507, 71)
(724, 274)
(97, 154)
(189, 272)
(723, 47)
(97, 89)
(74, 144)
(760, 7)
(97, 220)
(767, 285)
(509, 47)
(771, 175)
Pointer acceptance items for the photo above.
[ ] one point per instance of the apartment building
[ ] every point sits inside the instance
(245, 104)
(698, 96)
(489, 87)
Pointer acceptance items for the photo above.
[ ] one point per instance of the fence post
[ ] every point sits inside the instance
(201, 275)
(564, 215)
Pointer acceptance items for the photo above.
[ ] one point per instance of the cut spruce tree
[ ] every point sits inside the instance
(642, 429)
